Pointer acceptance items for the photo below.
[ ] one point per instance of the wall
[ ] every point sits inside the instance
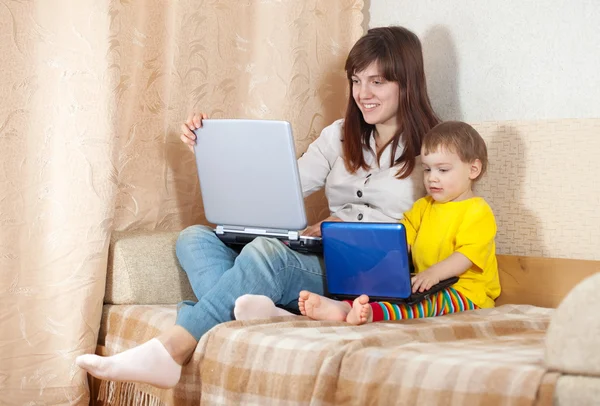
(526, 77)
(505, 60)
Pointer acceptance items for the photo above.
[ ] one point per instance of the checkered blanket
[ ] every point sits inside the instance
(481, 357)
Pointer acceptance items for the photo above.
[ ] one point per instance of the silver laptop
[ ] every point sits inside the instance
(250, 183)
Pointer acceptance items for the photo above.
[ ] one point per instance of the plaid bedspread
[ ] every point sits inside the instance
(481, 357)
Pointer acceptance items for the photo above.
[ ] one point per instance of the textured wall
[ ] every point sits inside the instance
(526, 76)
(505, 60)
(543, 186)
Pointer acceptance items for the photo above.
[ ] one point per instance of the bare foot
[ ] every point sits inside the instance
(318, 307)
(361, 311)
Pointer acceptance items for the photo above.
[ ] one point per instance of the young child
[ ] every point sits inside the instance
(450, 233)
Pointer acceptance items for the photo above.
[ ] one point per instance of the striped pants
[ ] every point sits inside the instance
(438, 304)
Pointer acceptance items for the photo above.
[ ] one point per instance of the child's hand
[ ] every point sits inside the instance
(424, 280)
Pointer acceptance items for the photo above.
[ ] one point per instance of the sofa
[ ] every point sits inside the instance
(539, 346)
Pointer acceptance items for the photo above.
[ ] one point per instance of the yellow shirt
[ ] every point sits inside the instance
(437, 230)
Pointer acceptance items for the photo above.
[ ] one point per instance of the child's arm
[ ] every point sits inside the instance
(455, 265)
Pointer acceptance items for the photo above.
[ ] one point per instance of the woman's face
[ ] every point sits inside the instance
(376, 97)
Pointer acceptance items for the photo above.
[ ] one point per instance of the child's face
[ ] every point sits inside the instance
(446, 177)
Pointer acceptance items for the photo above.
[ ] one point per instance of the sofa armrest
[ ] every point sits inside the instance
(143, 269)
(573, 339)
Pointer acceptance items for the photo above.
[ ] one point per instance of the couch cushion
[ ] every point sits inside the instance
(143, 269)
(573, 341)
(577, 390)
(489, 356)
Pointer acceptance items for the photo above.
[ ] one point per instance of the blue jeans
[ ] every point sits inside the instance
(219, 275)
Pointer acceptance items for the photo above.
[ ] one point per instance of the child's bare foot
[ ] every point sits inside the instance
(318, 307)
(361, 311)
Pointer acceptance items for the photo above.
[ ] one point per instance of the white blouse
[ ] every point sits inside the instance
(373, 195)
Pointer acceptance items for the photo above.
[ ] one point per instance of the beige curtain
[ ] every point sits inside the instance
(91, 96)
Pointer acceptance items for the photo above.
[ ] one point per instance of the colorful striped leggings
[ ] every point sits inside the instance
(438, 304)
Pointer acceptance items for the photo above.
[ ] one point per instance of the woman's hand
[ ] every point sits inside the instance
(315, 229)
(424, 280)
(193, 122)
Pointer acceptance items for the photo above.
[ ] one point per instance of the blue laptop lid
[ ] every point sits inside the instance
(369, 258)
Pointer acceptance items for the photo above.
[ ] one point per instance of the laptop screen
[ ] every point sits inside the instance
(366, 258)
(249, 175)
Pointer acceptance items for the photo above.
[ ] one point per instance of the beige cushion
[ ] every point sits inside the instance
(577, 391)
(143, 269)
(573, 340)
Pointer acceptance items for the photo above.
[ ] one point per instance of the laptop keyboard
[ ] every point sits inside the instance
(307, 245)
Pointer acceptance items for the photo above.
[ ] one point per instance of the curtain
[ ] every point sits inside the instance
(92, 96)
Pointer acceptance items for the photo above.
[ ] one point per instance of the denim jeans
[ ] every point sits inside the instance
(219, 275)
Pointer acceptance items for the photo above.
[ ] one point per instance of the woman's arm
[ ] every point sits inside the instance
(316, 163)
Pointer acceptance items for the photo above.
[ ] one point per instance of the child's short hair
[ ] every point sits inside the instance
(459, 138)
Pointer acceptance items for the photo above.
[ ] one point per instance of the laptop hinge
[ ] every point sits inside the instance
(291, 235)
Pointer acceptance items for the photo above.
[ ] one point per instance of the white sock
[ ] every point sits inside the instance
(250, 307)
(147, 363)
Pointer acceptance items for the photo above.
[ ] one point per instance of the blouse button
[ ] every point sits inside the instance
(359, 217)
(359, 193)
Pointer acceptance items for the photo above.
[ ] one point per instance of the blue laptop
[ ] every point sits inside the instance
(370, 258)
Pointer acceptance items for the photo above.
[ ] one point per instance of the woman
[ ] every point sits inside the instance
(364, 162)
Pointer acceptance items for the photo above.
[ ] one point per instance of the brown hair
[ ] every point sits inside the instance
(459, 138)
(400, 58)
